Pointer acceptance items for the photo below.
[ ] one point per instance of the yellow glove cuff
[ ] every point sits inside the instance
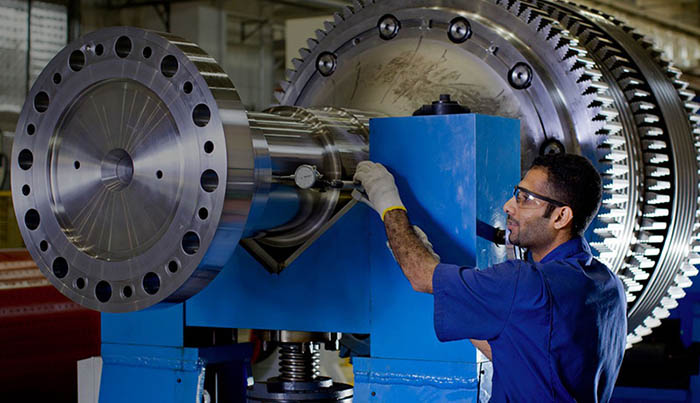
(388, 209)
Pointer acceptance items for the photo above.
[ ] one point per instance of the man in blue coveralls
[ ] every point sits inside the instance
(555, 324)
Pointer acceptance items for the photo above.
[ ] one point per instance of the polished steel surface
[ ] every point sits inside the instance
(133, 158)
(138, 171)
(570, 74)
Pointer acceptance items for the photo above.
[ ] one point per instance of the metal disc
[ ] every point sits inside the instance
(126, 167)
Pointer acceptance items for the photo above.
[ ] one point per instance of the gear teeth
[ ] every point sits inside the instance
(311, 43)
(680, 84)
(661, 313)
(631, 285)
(653, 211)
(614, 61)
(623, 71)
(682, 281)
(692, 107)
(610, 129)
(603, 101)
(613, 154)
(338, 19)
(616, 184)
(357, 5)
(669, 303)
(654, 144)
(676, 292)
(652, 322)
(614, 141)
(646, 250)
(686, 95)
(279, 95)
(693, 258)
(689, 270)
(611, 199)
(640, 261)
(635, 93)
(629, 82)
(347, 12)
(615, 169)
(639, 106)
(285, 85)
(646, 118)
(656, 198)
(328, 26)
(289, 74)
(297, 63)
(650, 237)
(642, 331)
(650, 131)
(320, 34)
(606, 114)
(673, 72)
(304, 53)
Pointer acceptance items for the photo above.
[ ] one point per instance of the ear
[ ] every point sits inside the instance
(564, 218)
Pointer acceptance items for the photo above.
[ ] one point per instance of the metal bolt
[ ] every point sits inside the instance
(460, 30)
(326, 63)
(552, 146)
(520, 76)
(388, 27)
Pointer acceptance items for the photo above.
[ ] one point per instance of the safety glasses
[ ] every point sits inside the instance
(528, 199)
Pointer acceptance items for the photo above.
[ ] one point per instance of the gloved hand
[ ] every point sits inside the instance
(424, 238)
(379, 186)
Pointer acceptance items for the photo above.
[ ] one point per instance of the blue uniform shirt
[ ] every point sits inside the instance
(557, 328)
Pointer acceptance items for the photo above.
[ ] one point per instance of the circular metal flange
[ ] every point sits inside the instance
(122, 149)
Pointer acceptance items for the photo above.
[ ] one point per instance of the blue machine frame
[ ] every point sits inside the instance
(451, 170)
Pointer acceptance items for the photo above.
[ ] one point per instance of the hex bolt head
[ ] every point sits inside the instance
(388, 27)
(460, 30)
(326, 63)
(520, 76)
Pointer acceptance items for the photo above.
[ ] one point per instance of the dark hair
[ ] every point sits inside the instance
(574, 181)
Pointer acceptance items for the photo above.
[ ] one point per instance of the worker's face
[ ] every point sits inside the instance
(526, 216)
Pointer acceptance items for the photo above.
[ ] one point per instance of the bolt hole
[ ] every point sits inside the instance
(209, 180)
(57, 78)
(26, 190)
(173, 267)
(25, 159)
(159, 174)
(99, 49)
(127, 291)
(31, 129)
(190, 243)
(169, 66)
(60, 267)
(76, 164)
(41, 102)
(43, 246)
(122, 48)
(76, 60)
(208, 147)
(80, 283)
(103, 291)
(151, 283)
(32, 219)
(147, 52)
(203, 213)
(201, 115)
(187, 87)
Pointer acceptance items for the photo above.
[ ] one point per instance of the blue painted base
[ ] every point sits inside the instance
(391, 380)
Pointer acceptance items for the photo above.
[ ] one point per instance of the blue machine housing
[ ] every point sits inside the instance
(451, 170)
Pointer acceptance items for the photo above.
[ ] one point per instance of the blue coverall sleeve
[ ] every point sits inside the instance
(472, 303)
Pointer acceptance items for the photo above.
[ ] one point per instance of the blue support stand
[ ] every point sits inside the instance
(451, 170)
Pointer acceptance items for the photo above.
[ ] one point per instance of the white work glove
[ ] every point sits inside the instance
(379, 185)
(424, 238)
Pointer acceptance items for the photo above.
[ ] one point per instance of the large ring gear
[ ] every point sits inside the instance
(574, 76)
(119, 220)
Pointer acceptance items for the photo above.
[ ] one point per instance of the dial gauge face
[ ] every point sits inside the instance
(305, 176)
